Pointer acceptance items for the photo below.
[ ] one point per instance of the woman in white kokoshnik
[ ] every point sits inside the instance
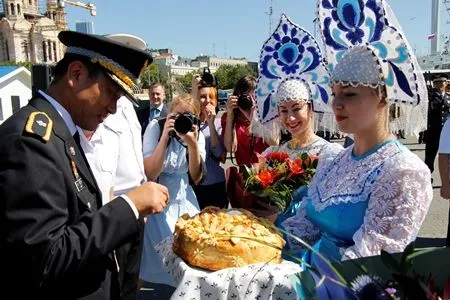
(375, 194)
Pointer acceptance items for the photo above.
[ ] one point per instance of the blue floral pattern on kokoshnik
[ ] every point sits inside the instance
(350, 27)
(291, 54)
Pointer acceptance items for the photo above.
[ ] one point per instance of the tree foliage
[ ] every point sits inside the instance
(227, 76)
(150, 75)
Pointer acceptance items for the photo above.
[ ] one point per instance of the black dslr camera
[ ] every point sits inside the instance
(184, 122)
(244, 101)
(208, 79)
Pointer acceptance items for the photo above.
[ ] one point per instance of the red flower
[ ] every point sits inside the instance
(277, 156)
(266, 177)
(296, 166)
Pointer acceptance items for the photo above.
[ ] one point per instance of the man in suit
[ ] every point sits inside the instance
(58, 240)
(438, 110)
(158, 107)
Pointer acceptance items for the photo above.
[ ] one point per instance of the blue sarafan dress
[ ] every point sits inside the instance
(317, 147)
(182, 199)
(358, 205)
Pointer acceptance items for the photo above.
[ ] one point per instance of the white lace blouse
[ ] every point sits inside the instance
(386, 193)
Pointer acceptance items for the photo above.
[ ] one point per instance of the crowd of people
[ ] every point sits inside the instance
(91, 186)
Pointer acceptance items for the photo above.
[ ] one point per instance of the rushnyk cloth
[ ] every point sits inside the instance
(256, 281)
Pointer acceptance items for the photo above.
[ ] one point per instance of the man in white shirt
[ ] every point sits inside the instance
(444, 167)
(114, 152)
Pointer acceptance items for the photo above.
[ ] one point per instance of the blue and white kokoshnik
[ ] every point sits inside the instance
(291, 64)
(358, 34)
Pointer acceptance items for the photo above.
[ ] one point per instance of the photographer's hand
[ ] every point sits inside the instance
(232, 104)
(210, 113)
(195, 160)
(191, 137)
(168, 127)
(195, 85)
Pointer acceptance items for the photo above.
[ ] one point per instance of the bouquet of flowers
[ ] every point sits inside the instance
(277, 176)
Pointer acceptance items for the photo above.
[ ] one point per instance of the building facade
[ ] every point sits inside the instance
(26, 35)
(214, 62)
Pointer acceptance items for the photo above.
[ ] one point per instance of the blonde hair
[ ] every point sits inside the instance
(186, 99)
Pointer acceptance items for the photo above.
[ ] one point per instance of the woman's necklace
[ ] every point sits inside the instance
(296, 143)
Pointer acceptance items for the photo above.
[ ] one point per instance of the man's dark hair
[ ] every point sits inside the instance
(245, 85)
(61, 66)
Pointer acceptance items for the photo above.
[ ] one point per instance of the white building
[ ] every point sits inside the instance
(15, 90)
(214, 62)
(27, 35)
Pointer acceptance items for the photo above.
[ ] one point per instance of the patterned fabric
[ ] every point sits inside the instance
(291, 68)
(364, 45)
(257, 281)
(357, 206)
(292, 90)
(358, 67)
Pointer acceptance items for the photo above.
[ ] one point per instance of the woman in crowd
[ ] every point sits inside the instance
(239, 140)
(293, 98)
(212, 191)
(236, 123)
(373, 195)
(174, 160)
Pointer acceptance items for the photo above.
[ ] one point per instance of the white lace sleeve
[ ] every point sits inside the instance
(397, 207)
(300, 227)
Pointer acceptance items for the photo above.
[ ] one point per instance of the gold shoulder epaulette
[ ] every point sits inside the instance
(39, 124)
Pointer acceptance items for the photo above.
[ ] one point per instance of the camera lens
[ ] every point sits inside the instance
(244, 101)
(207, 80)
(183, 124)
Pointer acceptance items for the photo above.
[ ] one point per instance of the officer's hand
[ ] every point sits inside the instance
(149, 198)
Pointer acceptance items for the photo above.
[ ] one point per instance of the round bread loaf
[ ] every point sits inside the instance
(217, 238)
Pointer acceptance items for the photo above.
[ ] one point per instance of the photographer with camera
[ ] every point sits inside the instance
(204, 90)
(236, 123)
(239, 140)
(174, 151)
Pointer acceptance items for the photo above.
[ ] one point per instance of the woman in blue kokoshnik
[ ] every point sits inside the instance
(293, 85)
(373, 195)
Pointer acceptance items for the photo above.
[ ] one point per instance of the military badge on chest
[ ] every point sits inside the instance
(79, 183)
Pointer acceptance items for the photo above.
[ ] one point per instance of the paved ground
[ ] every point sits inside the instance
(432, 233)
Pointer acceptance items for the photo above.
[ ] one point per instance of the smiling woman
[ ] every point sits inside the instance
(292, 55)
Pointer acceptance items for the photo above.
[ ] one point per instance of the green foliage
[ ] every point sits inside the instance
(150, 76)
(185, 81)
(227, 76)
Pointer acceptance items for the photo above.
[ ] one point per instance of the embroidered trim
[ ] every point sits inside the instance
(111, 64)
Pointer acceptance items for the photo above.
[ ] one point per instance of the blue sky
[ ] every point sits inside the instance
(236, 28)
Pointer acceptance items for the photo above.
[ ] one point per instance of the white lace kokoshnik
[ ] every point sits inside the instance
(399, 199)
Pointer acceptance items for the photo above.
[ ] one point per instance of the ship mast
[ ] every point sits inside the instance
(435, 16)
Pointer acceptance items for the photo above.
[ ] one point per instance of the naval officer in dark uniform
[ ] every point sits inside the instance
(57, 239)
(438, 111)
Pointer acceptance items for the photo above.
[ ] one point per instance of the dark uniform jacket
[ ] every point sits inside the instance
(144, 115)
(57, 240)
(438, 110)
